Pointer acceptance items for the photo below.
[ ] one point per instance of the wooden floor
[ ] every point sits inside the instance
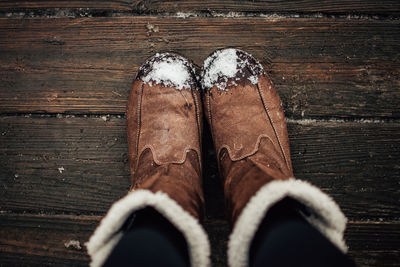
(65, 74)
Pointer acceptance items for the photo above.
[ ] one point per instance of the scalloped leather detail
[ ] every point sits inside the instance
(241, 116)
(165, 120)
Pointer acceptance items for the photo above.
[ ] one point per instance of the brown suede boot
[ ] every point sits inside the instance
(164, 131)
(248, 126)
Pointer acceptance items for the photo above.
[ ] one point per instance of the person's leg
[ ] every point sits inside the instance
(149, 240)
(164, 151)
(286, 239)
(250, 135)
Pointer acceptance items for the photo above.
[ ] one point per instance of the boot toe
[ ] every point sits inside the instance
(169, 70)
(229, 67)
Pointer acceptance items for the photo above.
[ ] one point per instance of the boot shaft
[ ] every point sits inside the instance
(248, 125)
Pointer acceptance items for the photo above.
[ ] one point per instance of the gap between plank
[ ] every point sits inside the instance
(274, 16)
(302, 121)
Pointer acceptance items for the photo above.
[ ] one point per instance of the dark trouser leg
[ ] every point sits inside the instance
(150, 240)
(285, 238)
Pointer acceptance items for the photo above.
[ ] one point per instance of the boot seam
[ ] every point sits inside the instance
(255, 149)
(209, 110)
(139, 125)
(210, 123)
(272, 124)
(196, 105)
(179, 161)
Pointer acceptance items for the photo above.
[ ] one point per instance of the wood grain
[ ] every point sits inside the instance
(60, 173)
(42, 240)
(79, 165)
(321, 67)
(29, 239)
(98, 7)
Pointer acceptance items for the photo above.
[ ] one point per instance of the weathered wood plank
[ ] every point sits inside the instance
(330, 7)
(373, 243)
(51, 160)
(79, 165)
(376, 258)
(387, 7)
(74, 5)
(43, 240)
(321, 67)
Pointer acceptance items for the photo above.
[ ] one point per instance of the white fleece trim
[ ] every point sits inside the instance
(106, 235)
(326, 216)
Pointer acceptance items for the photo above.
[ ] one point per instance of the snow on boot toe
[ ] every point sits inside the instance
(229, 67)
(168, 69)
